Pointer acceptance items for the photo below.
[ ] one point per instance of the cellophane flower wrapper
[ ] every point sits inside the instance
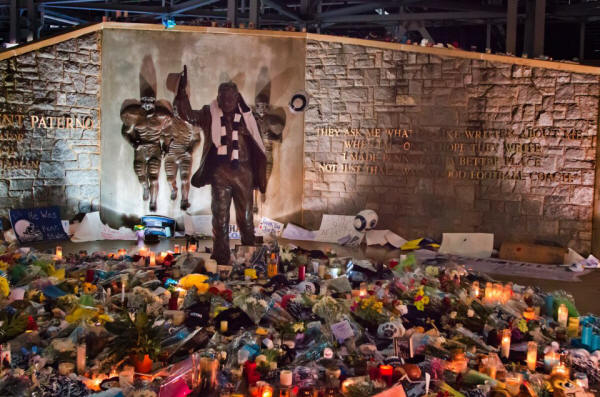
(330, 310)
(254, 305)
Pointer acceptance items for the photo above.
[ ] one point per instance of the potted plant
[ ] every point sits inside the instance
(137, 337)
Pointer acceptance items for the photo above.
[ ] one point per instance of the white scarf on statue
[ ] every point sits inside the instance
(218, 130)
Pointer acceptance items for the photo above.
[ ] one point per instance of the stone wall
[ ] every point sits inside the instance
(430, 173)
(54, 165)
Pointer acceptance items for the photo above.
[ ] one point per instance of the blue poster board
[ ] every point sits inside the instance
(37, 224)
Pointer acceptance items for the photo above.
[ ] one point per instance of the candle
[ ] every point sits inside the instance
(264, 389)
(173, 300)
(122, 252)
(192, 248)
(550, 360)
(163, 255)
(322, 270)
(301, 272)
(58, 255)
(513, 383)
(498, 291)
(586, 335)
(224, 326)
(65, 369)
(560, 369)
(562, 315)
(90, 274)
(507, 293)
(152, 258)
(143, 251)
(123, 284)
(475, 289)
(285, 378)
(529, 314)
(386, 372)
(532, 355)
(176, 249)
(506, 342)
(573, 327)
(489, 293)
(363, 290)
(81, 352)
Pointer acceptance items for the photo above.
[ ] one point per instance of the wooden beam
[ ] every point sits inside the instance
(13, 21)
(512, 8)
(581, 41)
(254, 13)
(539, 29)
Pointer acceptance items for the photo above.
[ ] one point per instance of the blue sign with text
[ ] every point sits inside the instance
(37, 224)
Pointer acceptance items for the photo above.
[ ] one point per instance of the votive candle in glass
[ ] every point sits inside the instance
(532, 350)
(562, 315)
(506, 343)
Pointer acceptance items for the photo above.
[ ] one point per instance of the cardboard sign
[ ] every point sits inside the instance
(37, 224)
(342, 330)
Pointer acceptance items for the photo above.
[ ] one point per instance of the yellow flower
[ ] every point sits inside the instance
(194, 280)
(3, 265)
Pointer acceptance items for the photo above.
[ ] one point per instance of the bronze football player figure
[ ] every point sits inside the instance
(233, 161)
(179, 140)
(143, 126)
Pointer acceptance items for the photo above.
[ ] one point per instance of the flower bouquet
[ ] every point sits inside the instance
(329, 310)
(369, 312)
(255, 306)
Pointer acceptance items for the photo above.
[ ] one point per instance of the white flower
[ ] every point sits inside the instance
(262, 302)
(251, 300)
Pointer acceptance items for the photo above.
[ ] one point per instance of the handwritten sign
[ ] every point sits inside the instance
(342, 330)
(269, 226)
(37, 224)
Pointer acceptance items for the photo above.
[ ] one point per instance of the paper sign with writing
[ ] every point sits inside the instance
(342, 330)
(334, 227)
(269, 226)
(37, 224)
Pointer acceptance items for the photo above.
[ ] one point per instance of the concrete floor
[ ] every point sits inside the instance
(585, 292)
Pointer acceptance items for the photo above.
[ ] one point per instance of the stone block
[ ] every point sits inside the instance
(582, 196)
(62, 151)
(67, 46)
(79, 177)
(51, 170)
(88, 42)
(385, 94)
(354, 94)
(21, 184)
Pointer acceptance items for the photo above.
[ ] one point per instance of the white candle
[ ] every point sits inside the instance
(285, 378)
(563, 315)
(123, 284)
(59, 255)
(531, 355)
(81, 352)
(152, 258)
(506, 343)
(176, 249)
(475, 289)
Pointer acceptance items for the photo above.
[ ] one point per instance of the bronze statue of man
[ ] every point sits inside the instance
(233, 161)
(143, 126)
